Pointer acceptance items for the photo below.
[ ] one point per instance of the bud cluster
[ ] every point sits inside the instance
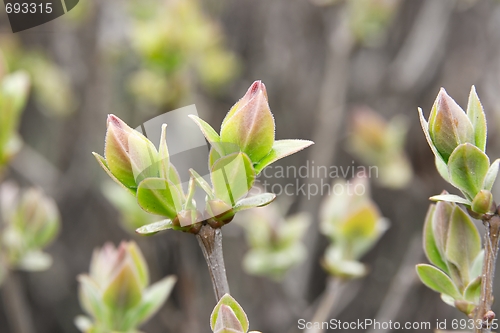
(458, 141)
(245, 146)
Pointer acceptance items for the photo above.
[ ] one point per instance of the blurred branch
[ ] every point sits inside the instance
(328, 122)
(15, 305)
(327, 304)
(401, 285)
(420, 52)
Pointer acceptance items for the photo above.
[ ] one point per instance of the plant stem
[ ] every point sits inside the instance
(327, 304)
(210, 241)
(15, 305)
(490, 256)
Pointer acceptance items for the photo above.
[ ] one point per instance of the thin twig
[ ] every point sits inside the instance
(326, 305)
(400, 285)
(490, 256)
(15, 305)
(210, 241)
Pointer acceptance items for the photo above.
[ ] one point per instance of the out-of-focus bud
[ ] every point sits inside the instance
(115, 293)
(449, 126)
(31, 222)
(483, 202)
(129, 155)
(276, 242)
(14, 90)
(228, 316)
(377, 142)
(353, 223)
(250, 123)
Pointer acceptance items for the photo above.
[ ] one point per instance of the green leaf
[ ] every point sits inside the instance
(90, 298)
(450, 198)
(477, 265)
(152, 300)
(124, 292)
(254, 201)
(237, 309)
(202, 183)
(35, 261)
(159, 196)
(164, 157)
(282, 148)
(438, 281)
(104, 166)
(491, 176)
(440, 163)
(207, 130)
(463, 244)
(472, 292)
(475, 112)
(430, 247)
(232, 177)
(468, 167)
(155, 227)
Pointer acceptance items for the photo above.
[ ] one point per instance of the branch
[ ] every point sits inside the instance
(210, 241)
(15, 305)
(490, 257)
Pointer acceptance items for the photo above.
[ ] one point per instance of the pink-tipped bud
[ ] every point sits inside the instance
(250, 123)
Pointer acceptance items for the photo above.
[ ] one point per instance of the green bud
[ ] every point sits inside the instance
(130, 156)
(250, 123)
(483, 202)
(228, 316)
(449, 126)
(219, 213)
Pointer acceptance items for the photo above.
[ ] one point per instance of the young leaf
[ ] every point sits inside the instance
(440, 163)
(472, 292)
(155, 227)
(468, 167)
(430, 247)
(450, 198)
(436, 280)
(491, 176)
(232, 177)
(207, 130)
(202, 183)
(159, 196)
(282, 148)
(237, 309)
(464, 242)
(124, 291)
(475, 112)
(254, 201)
(152, 300)
(227, 320)
(104, 165)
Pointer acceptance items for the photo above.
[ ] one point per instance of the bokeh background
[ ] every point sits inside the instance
(320, 60)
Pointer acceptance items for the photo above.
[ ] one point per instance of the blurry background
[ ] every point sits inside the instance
(320, 60)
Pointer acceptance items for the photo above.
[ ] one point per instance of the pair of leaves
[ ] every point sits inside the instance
(245, 203)
(228, 316)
